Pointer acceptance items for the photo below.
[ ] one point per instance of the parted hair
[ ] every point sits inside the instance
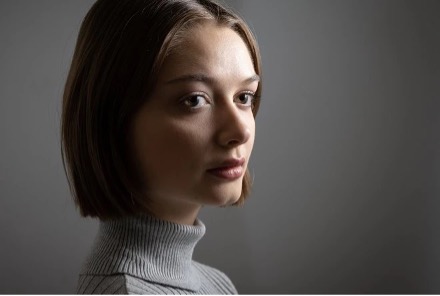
(120, 49)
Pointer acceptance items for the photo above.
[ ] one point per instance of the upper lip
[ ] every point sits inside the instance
(228, 163)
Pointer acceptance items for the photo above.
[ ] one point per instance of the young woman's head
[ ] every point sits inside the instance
(159, 107)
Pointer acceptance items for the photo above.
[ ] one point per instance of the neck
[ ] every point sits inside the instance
(146, 247)
(175, 211)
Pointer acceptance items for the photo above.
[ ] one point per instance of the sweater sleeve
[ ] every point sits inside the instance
(213, 277)
(102, 284)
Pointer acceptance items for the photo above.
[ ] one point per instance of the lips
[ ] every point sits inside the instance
(229, 169)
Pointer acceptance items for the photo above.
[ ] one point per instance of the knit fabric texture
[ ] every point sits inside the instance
(145, 255)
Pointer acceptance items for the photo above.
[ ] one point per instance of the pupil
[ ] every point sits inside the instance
(194, 100)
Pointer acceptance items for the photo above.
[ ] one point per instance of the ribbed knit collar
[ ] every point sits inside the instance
(148, 248)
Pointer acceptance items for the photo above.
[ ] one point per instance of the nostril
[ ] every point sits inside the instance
(236, 137)
(233, 143)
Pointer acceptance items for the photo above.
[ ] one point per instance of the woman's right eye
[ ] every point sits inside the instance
(195, 101)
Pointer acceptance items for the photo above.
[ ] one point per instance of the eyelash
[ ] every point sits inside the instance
(249, 102)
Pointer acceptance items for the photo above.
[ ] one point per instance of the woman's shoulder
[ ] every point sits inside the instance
(215, 277)
(118, 284)
(102, 284)
(213, 281)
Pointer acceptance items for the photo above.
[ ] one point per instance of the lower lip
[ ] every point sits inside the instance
(230, 173)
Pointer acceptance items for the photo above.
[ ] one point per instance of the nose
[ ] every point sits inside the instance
(233, 126)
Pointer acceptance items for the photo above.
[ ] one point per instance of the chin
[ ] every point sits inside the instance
(223, 197)
(230, 201)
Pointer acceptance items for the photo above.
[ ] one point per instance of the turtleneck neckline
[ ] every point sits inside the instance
(149, 248)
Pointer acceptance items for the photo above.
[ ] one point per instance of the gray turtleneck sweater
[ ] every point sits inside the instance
(144, 255)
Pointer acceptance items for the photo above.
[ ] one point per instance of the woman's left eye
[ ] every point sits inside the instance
(246, 98)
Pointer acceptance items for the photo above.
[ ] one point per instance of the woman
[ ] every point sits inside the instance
(158, 121)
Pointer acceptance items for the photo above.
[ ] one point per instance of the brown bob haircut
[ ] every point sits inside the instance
(120, 49)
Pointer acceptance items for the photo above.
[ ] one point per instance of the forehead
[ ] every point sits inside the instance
(210, 49)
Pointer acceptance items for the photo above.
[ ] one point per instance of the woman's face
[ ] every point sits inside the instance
(194, 136)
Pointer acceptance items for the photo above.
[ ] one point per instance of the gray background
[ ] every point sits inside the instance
(346, 162)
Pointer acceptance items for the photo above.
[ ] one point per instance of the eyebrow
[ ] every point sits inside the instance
(206, 79)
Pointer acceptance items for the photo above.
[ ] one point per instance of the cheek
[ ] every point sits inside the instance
(168, 149)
